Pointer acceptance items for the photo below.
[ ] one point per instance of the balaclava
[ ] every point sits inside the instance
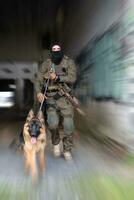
(56, 54)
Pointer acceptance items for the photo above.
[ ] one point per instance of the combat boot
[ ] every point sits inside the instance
(67, 155)
(55, 137)
(57, 150)
(67, 146)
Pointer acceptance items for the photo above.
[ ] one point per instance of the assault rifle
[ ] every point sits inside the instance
(63, 92)
(72, 100)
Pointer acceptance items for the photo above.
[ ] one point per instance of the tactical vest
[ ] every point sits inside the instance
(61, 69)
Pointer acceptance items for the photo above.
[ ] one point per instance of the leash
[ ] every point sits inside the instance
(44, 94)
(46, 87)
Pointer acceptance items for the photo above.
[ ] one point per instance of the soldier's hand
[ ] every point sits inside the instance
(52, 76)
(40, 97)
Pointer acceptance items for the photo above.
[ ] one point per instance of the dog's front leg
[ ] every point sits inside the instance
(27, 161)
(42, 159)
(33, 164)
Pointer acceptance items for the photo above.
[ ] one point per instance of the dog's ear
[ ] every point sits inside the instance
(30, 115)
(40, 116)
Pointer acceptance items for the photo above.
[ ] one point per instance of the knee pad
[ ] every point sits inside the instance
(52, 119)
(68, 125)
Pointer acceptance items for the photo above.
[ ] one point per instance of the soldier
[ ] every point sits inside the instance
(60, 69)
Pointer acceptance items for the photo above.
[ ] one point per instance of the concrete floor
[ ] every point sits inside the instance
(57, 182)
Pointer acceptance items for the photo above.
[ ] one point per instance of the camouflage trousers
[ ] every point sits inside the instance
(57, 109)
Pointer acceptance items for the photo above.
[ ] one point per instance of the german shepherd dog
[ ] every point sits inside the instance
(32, 142)
(34, 134)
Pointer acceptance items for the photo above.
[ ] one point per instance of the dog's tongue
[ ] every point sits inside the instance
(33, 140)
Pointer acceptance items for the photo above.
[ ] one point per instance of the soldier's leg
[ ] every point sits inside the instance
(53, 121)
(66, 110)
(68, 125)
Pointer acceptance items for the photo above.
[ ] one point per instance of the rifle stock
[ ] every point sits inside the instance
(76, 105)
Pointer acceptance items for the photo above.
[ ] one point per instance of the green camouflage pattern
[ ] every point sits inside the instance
(69, 76)
(58, 107)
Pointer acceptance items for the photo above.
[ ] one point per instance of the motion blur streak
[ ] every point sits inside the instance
(99, 36)
(92, 173)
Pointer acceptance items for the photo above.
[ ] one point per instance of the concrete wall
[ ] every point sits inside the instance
(108, 120)
(88, 19)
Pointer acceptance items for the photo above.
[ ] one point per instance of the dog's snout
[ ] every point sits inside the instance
(34, 129)
(33, 134)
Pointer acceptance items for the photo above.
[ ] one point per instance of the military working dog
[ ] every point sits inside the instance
(34, 134)
(32, 142)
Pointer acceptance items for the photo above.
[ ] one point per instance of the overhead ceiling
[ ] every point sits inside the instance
(28, 28)
(27, 25)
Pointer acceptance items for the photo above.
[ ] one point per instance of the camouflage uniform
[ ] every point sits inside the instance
(58, 105)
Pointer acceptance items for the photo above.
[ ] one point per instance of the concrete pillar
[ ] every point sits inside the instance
(20, 93)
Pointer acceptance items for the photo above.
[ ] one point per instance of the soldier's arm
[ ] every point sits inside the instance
(71, 73)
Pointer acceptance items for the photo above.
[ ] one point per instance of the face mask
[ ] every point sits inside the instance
(56, 57)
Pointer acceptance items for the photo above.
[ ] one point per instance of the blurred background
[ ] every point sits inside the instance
(99, 36)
